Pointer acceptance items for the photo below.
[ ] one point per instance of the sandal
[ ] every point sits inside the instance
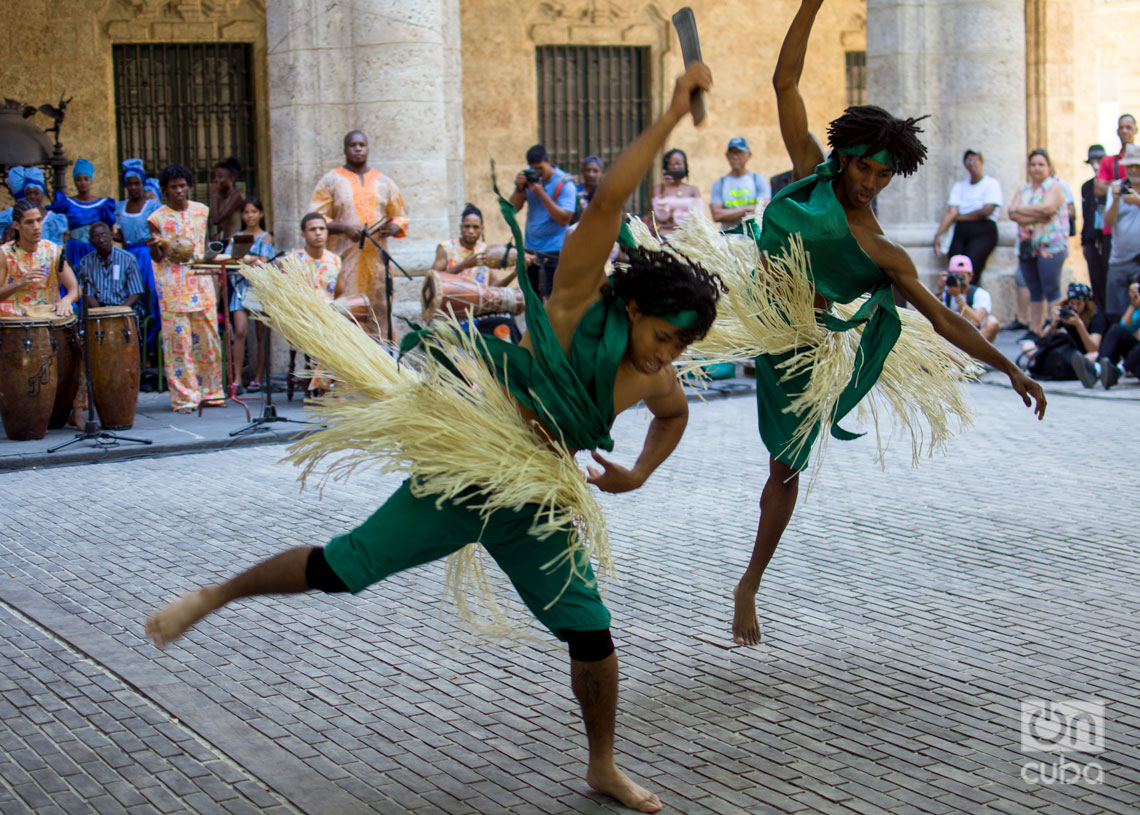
(185, 409)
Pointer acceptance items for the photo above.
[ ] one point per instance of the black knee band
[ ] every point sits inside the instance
(589, 646)
(320, 576)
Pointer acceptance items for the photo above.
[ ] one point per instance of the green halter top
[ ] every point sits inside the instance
(572, 392)
(841, 271)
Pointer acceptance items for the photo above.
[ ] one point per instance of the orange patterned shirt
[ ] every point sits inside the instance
(323, 271)
(179, 288)
(20, 263)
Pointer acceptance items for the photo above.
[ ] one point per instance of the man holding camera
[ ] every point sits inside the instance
(551, 198)
(972, 302)
(1122, 216)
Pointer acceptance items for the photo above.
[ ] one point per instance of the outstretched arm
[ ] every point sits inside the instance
(803, 148)
(670, 411)
(581, 265)
(894, 260)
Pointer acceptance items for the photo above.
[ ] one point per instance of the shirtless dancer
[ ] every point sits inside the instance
(869, 146)
(625, 335)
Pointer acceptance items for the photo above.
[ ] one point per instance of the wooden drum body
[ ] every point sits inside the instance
(69, 369)
(442, 291)
(113, 342)
(28, 376)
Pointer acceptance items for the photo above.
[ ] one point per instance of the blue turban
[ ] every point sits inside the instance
(83, 167)
(152, 185)
(20, 178)
(134, 167)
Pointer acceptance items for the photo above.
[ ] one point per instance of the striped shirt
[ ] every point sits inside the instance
(112, 280)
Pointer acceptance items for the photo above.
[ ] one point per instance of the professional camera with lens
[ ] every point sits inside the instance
(1125, 186)
(532, 175)
(954, 281)
(1065, 313)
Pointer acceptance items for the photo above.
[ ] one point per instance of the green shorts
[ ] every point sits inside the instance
(773, 395)
(408, 531)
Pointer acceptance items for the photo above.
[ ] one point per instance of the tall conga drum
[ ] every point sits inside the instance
(112, 342)
(68, 366)
(28, 376)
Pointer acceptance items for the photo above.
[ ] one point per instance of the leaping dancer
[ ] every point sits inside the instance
(597, 348)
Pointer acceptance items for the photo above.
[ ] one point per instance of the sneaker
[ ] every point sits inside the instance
(1016, 325)
(1109, 373)
(1086, 371)
(1030, 337)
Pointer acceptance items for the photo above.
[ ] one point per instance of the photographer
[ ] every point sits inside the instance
(551, 198)
(1122, 215)
(1120, 344)
(1071, 340)
(972, 302)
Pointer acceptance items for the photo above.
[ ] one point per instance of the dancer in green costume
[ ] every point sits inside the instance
(597, 348)
(829, 207)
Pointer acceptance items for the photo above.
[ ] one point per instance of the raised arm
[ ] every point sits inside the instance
(803, 148)
(581, 266)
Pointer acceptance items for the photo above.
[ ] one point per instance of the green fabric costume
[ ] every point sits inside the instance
(574, 395)
(841, 271)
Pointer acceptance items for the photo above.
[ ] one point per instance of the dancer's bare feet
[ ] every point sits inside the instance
(170, 622)
(745, 625)
(613, 782)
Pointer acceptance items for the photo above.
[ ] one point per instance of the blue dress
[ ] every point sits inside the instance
(261, 248)
(135, 235)
(80, 216)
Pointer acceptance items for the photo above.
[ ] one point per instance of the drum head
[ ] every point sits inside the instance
(429, 295)
(110, 311)
(45, 312)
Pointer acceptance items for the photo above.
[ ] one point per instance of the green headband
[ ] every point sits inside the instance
(883, 157)
(684, 320)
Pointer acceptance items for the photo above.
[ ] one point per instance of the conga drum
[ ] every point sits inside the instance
(442, 291)
(357, 306)
(27, 376)
(112, 342)
(501, 257)
(68, 366)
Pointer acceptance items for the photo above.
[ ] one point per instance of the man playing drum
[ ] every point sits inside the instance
(112, 274)
(33, 272)
(599, 346)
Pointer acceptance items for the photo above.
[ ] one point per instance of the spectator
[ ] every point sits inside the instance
(972, 302)
(253, 224)
(1110, 171)
(735, 196)
(1120, 345)
(325, 274)
(381, 210)
(1075, 332)
(550, 196)
(191, 348)
(82, 210)
(225, 200)
(1122, 216)
(1094, 242)
(592, 169)
(973, 211)
(111, 274)
(131, 216)
(28, 182)
(1038, 208)
(673, 199)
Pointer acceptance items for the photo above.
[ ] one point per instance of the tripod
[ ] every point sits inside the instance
(92, 431)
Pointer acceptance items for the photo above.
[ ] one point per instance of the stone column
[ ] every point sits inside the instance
(963, 62)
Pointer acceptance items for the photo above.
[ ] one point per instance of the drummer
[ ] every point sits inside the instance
(467, 257)
(324, 270)
(33, 271)
(112, 274)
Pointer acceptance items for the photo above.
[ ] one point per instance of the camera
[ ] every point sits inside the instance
(1125, 186)
(1065, 313)
(954, 281)
(532, 175)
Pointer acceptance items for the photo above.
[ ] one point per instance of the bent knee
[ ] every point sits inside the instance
(588, 646)
(319, 575)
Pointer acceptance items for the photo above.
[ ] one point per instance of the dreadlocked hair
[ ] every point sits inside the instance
(667, 283)
(879, 130)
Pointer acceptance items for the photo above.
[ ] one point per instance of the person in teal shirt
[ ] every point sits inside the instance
(829, 208)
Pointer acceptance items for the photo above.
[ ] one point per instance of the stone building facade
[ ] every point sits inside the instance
(442, 87)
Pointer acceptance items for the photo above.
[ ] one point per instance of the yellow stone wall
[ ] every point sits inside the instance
(740, 42)
(49, 47)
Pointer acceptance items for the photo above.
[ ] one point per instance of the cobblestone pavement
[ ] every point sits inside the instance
(907, 615)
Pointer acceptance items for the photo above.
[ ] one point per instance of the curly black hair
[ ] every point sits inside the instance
(879, 130)
(662, 283)
(173, 171)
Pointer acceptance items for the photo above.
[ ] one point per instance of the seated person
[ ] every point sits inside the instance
(1071, 338)
(111, 274)
(1120, 345)
(972, 302)
(466, 256)
(324, 269)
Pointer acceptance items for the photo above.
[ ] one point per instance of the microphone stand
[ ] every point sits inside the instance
(92, 431)
(389, 284)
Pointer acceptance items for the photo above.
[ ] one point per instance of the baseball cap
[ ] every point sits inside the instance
(961, 263)
(1096, 151)
(1131, 154)
(738, 143)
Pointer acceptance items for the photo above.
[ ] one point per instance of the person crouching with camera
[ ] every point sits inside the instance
(972, 302)
(1070, 341)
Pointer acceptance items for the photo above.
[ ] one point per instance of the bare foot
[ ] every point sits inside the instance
(170, 622)
(613, 782)
(745, 626)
